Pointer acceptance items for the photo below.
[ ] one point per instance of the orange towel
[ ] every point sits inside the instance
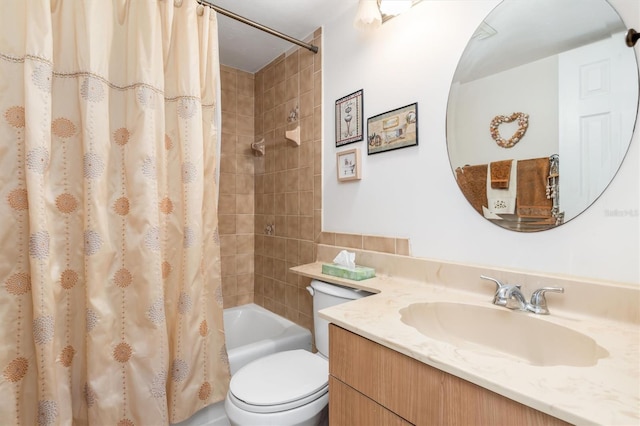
(500, 172)
(531, 196)
(472, 181)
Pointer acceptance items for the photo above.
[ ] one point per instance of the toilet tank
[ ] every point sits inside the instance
(324, 296)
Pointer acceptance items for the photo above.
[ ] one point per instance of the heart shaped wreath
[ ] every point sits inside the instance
(523, 123)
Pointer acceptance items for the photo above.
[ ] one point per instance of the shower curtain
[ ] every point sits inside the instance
(110, 292)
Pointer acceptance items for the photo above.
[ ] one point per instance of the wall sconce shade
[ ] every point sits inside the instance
(368, 15)
(395, 7)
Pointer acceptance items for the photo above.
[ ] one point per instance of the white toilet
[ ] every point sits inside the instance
(289, 388)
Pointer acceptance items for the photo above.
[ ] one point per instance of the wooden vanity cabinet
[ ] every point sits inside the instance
(370, 384)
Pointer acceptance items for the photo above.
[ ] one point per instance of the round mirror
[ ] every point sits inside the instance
(541, 110)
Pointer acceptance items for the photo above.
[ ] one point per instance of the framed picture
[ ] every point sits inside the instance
(348, 163)
(393, 129)
(349, 121)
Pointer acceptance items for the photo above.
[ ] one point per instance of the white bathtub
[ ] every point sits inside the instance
(251, 332)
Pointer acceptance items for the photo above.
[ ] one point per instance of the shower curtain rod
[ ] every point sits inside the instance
(261, 27)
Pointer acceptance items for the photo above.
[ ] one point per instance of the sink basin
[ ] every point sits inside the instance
(501, 332)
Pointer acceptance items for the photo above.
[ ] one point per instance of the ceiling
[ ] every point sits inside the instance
(519, 40)
(249, 49)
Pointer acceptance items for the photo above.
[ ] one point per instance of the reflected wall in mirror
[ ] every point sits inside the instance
(541, 110)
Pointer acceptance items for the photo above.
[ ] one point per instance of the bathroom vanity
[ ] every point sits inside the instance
(385, 369)
(405, 391)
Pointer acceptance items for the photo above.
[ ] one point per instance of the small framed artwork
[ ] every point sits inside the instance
(393, 129)
(349, 122)
(348, 163)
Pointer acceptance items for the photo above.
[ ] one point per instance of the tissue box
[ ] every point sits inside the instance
(358, 274)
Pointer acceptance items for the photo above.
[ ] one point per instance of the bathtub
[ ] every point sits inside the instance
(251, 332)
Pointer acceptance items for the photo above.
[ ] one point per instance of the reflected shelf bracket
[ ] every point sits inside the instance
(632, 37)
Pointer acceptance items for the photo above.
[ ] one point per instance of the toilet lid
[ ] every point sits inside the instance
(281, 378)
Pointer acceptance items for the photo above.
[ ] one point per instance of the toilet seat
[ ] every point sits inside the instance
(279, 382)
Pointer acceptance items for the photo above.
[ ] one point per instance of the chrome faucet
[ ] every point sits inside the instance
(510, 296)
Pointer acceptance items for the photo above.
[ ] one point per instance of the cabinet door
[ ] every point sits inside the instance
(417, 392)
(405, 386)
(348, 407)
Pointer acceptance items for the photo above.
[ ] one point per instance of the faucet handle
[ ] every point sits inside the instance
(500, 298)
(539, 301)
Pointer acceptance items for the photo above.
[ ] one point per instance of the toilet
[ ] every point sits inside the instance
(289, 388)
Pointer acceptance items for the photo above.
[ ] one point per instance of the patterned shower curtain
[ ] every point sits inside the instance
(110, 293)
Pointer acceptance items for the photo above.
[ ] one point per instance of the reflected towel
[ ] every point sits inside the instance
(472, 181)
(500, 173)
(531, 196)
(502, 201)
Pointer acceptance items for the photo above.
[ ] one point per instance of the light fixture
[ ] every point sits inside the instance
(395, 7)
(368, 15)
(373, 13)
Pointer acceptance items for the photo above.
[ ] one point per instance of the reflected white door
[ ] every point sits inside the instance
(597, 111)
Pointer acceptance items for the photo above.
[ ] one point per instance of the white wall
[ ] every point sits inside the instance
(412, 193)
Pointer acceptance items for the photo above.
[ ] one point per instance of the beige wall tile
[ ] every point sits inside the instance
(381, 244)
(291, 180)
(293, 250)
(280, 95)
(244, 244)
(244, 125)
(227, 244)
(269, 77)
(307, 252)
(228, 101)
(306, 228)
(306, 129)
(280, 204)
(403, 247)
(292, 87)
(227, 204)
(229, 122)
(279, 270)
(349, 240)
(317, 89)
(306, 203)
(245, 284)
(281, 225)
(245, 204)
(291, 63)
(306, 155)
(228, 266)
(292, 227)
(279, 248)
(228, 163)
(228, 143)
(280, 74)
(244, 106)
(244, 263)
(227, 224)
(227, 183)
(292, 203)
(245, 84)
(244, 223)
(244, 184)
(306, 80)
(306, 104)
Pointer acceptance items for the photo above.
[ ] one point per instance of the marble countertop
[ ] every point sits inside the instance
(607, 393)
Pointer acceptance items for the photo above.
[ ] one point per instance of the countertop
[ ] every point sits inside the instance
(607, 393)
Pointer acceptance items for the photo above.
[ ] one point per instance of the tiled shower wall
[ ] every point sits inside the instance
(288, 94)
(236, 204)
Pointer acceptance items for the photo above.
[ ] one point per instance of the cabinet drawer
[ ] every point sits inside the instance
(418, 392)
(348, 407)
